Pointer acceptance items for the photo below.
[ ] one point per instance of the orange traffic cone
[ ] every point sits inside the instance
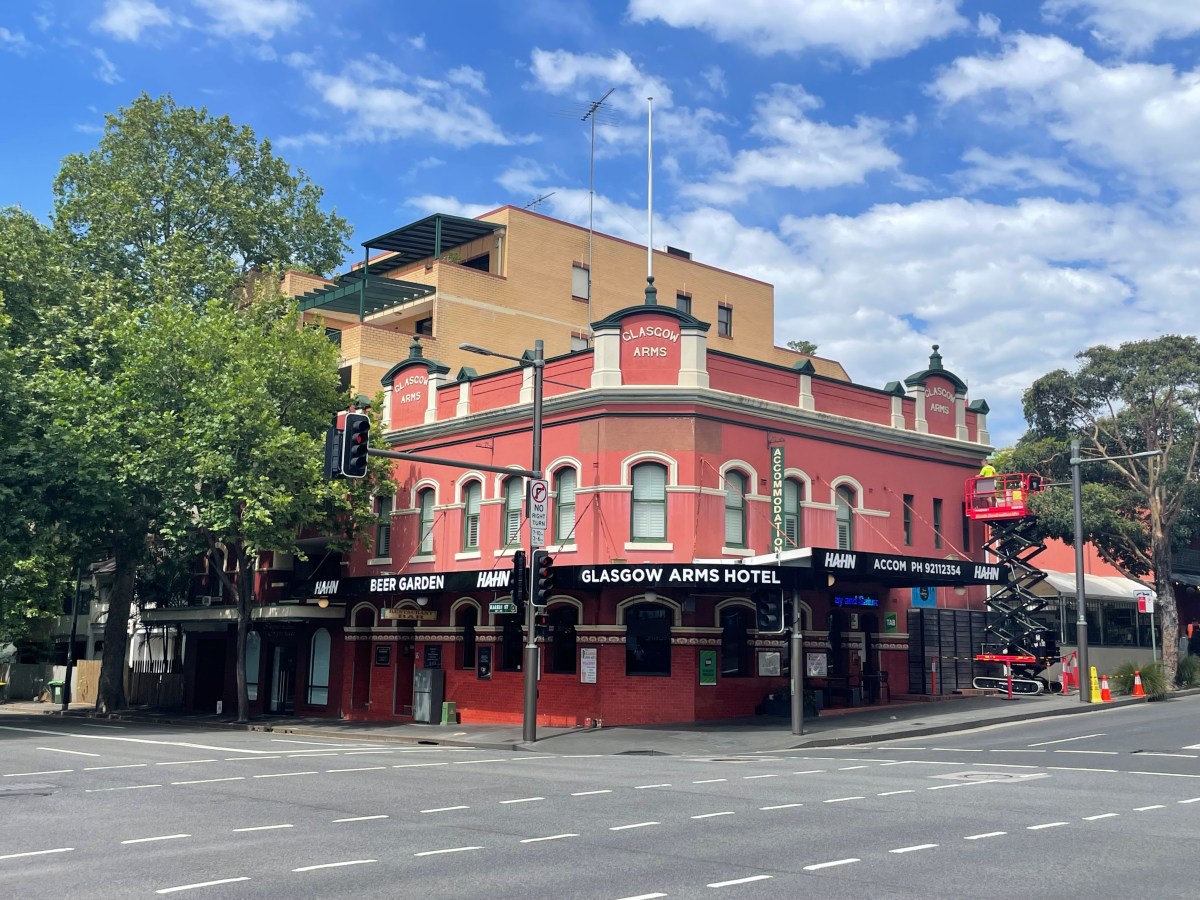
(1105, 694)
(1137, 685)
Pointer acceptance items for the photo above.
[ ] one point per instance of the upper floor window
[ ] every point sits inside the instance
(735, 509)
(424, 326)
(846, 500)
(908, 511)
(471, 516)
(649, 507)
(724, 320)
(511, 524)
(425, 507)
(937, 522)
(580, 282)
(683, 303)
(578, 342)
(564, 505)
(383, 528)
(793, 493)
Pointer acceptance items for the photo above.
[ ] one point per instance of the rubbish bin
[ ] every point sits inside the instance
(429, 688)
(56, 691)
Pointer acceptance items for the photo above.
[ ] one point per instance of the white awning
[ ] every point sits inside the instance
(1095, 587)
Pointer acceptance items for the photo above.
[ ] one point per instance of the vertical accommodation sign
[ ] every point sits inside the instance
(778, 537)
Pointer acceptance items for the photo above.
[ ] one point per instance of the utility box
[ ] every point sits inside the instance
(429, 689)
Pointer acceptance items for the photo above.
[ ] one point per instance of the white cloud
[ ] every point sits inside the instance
(14, 41)
(417, 42)
(107, 72)
(1019, 172)
(381, 102)
(260, 18)
(863, 30)
(714, 77)
(427, 204)
(987, 25)
(580, 75)
(127, 19)
(1135, 116)
(1132, 24)
(467, 77)
(798, 152)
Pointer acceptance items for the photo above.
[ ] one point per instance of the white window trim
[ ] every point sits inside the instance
(470, 554)
(380, 561)
(645, 456)
(649, 545)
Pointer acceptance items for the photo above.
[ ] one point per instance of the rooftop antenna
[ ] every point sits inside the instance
(590, 117)
(532, 203)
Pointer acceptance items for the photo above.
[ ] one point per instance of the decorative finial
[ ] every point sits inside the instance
(414, 351)
(651, 291)
(935, 358)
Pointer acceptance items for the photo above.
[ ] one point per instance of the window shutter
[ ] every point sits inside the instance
(649, 502)
(579, 282)
(565, 505)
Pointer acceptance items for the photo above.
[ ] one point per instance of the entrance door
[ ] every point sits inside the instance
(209, 674)
(281, 698)
(360, 697)
(405, 664)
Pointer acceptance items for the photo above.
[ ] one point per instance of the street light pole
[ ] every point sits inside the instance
(1081, 638)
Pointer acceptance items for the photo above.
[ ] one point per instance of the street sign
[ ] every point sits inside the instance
(1145, 601)
(539, 511)
(503, 607)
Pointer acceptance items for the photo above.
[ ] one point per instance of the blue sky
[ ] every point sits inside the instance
(1015, 181)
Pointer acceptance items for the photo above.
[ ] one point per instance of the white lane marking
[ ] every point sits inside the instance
(826, 865)
(47, 772)
(1173, 755)
(261, 828)
(1082, 737)
(891, 793)
(244, 758)
(1017, 750)
(956, 750)
(128, 740)
(986, 834)
(842, 799)
(37, 852)
(1167, 774)
(200, 884)
(1144, 808)
(72, 752)
(710, 781)
(522, 800)
(336, 865)
(779, 775)
(126, 766)
(1082, 769)
(184, 762)
(634, 825)
(310, 743)
(360, 818)
(1045, 825)
(528, 758)
(1192, 747)
(851, 768)
(283, 774)
(809, 772)
(589, 793)
(644, 897)
(132, 787)
(713, 815)
(1100, 816)
(584, 756)
(358, 769)
(782, 806)
(552, 837)
(913, 848)
(212, 780)
(161, 837)
(444, 809)
(892, 763)
(366, 752)
(418, 765)
(475, 762)
(1193, 800)
(721, 884)
(94, 725)
(447, 850)
(1091, 752)
(642, 787)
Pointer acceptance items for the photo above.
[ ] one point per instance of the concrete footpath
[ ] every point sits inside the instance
(760, 734)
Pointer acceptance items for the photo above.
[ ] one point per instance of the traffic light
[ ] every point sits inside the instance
(541, 625)
(356, 434)
(543, 577)
(769, 607)
(519, 579)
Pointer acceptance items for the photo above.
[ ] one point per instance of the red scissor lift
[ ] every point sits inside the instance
(1015, 639)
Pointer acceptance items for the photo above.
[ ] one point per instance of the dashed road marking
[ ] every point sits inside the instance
(447, 850)
(161, 837)
(644, 897)
(1045, 825)
(201, 884)
(357, 769)
(184, 762)
(1144, 808)
(47, 772)
(419, 765)
(131, 787)
(634, 825)
(335, 865)
(72, 752)
(782, 806)
(1100, 816)
(710, 780)
(126, 766)
(261, 828)
(828, 865)
(752, 777)
(360, 818)
(213, 780)
(642, 787)
(439, 809)
(521, 800)
(721, 884)
(1082, 737)
(986, 834)
(283, 774)
(37, 852)
(842, 799)
(913, 848)
(590, 793)
(551, 837)
(713, 815)
(893, 793)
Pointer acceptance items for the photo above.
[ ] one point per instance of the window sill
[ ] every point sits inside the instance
(507, 551)
(649, 545)
(469, 554)
(422, 559)
(737, 551)
(380, 561)
(563, 548)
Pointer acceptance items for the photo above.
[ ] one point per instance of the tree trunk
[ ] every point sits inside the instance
(1166, 610)
(245, 596)
(111, 690)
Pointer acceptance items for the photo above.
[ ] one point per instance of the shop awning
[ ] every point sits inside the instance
(1095, 587)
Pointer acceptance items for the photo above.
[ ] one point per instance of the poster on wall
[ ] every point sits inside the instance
(383, 654)
(891, 623)
(587, 665)
(818, 665)
(708, 666)
(483, 662)
(768, 662)
(433, 656)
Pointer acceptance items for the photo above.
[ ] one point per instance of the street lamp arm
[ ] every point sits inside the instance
(536, 362)
(1078, 460)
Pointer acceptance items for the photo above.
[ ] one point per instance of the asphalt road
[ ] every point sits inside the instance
(1091, 806)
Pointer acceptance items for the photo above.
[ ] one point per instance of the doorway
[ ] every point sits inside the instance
(281, 691)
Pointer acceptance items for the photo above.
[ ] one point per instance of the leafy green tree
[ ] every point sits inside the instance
(1143, 395)
(177, 203)
(808, 348)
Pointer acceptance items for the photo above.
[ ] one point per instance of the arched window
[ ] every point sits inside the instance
(735, 509)
(793, 493)
(467, 618)
(564, 506)
(735, 646)
(470, 496)
(318, 668)
(563, 619)
(846, 501)
(425, 507)
(648, 639)
(510, 525)
(253, 655)
(383, 526)
(649, 507)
